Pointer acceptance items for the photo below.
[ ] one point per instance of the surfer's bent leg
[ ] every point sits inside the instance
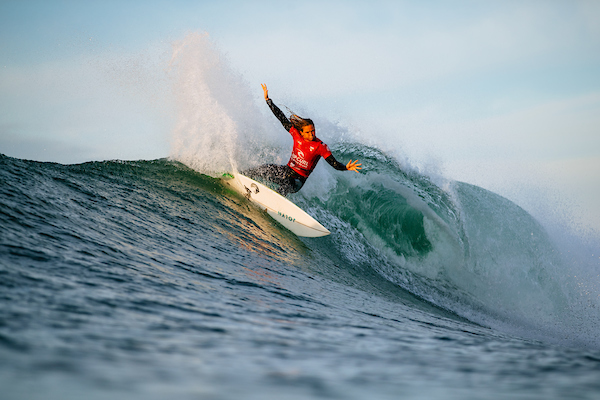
(277, 174)
(270, 172)
(292, 182)
(288, 180)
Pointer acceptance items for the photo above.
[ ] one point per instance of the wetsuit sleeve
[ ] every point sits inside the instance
(280, 115)
(335, 163)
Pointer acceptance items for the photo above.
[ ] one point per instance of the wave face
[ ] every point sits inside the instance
(137, 279)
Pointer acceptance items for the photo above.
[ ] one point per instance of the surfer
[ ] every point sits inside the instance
(307, 152)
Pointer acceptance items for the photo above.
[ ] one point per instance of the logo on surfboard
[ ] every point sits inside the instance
(292, 219)
(249, 191)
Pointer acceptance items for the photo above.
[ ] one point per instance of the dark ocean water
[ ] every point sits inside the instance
(150, 280)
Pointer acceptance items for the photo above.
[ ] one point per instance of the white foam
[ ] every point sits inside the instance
(219, 126)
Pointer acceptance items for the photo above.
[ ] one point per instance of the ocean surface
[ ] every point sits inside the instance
(150, 280)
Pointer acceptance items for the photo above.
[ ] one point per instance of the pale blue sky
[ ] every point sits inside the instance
(503, 94)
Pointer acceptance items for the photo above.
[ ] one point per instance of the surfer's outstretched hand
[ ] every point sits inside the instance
(353, 166)
(265, 90)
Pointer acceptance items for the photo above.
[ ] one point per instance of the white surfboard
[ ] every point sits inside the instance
(278, 207)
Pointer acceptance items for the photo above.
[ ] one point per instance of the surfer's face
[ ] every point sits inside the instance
(308, 132)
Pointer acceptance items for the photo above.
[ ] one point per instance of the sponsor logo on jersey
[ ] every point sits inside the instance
(301, 162)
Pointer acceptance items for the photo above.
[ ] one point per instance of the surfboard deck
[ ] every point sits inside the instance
(278, 207)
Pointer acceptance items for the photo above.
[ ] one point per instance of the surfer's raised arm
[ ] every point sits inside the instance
(276, 111)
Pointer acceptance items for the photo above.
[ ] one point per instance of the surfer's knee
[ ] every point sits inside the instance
(294, 186)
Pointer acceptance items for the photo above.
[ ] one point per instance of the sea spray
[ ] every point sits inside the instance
(219, 126)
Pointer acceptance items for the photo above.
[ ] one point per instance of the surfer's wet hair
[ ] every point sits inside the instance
(299, 122)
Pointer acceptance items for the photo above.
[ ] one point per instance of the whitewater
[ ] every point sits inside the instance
(152, 279)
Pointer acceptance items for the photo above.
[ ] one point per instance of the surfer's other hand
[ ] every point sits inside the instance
(353, 166)
(265, 90)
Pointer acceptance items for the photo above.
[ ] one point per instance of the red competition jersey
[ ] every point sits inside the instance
(306, 154)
